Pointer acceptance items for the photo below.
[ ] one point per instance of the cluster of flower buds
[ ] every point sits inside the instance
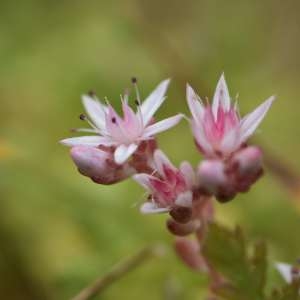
(230, 166)
(121, 147)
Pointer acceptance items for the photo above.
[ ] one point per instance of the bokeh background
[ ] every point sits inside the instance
(58, 230)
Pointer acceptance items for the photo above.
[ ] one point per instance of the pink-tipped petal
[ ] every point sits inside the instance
(251, 121)
(123, 152)
(162, 125)
(87, 141)
(162, 161)
(285, 271)
(152, 208)
(195, 104)
(131, 122)
(95, 110)
(221, 97)
(154, 101)
(115, 126)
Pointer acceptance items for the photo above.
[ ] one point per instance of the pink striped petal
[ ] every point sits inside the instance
(114, 125)
(221, 97)
(131, 123)
(161, 160)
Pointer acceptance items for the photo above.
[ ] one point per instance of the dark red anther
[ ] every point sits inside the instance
(82, 117)
(92, 93)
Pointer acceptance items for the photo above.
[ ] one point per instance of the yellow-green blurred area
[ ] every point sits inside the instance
(59, 230)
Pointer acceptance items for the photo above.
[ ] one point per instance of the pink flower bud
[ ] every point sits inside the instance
(249, 160)
(99, 165)
(182, 229)
(189, 252)
(181, 214)
(211, 174)
(246, 167)
(214, 180)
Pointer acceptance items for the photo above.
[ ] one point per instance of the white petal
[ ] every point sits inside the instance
(184, 199)
(160, 159)
(162, 125)
(285, 270)
(221, 97)
(154, 101)
(95, 110)
(143, 180)
(188, 173)
(152, 208)
(251, 121)
(123, 152)
(195, 104)
(200, 137)
(87, 141)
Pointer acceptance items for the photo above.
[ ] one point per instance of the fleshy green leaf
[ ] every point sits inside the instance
(227, 252)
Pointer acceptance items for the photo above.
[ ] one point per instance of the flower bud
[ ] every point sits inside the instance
(214, 180)
(212, 175)
(99, 165)
(182, 229)
(248, 160)
(181, 214)
(246, 167)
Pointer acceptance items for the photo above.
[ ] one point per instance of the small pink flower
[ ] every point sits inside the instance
(218, 128)
(124, 134)
(168, 186)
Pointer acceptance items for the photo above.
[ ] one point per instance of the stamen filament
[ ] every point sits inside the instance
(83, 117)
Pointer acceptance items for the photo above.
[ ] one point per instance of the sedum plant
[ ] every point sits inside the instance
(119, 147)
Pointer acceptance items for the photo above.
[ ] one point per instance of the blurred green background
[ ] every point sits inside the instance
(58, 230)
